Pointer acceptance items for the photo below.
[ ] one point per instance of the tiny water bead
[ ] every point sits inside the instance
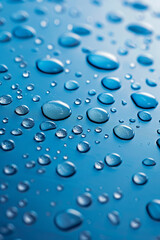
(71, 85)
(29, 218)
(106, 98)
(61, 133)
(28, 123)
(123, 132)
(66, 169)
(140, 178)
(97, 115)
(56, 110)
(69, 40)
(114, 218)
(22, 110)
(50, 65)
(111, 83)
(44, 160)
(149, 162)
(153, 209)
(143, 29)
(144, 116)
(24, 32)
(145, 60)
(84, 200)
(5, 99)
(68, 219)
(144, 100)
(82, 30)
(113, 159)
(47, 125)
(83, 147)
(102, 60)
(7, 145)
(10, 169)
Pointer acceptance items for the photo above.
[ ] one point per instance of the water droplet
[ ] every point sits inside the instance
(153, 209)
(19, 16)
(85, 235)
(11, 212)
(8, 145)
(144, 100)
(77, 129)
(103, 198)
(82, 29)
(111, 83)
(23, 186)
(56, 110)
(5, 36)
(10, 169)
(50, 66)
(149, 162)
(24, 32)
(61, 133)
(22, 110)
(44, 159)
(30, 218)
(99, 165)
(113, 160)
(71, 85)
(106, 98)
(47, 125)
(114, 17)
(135, 223)
(114, 217)
(5, 99)
(144, 116)
(3, 68)
(140, 178)
(123, 132)
(69, 40)
(66, 169)
(83, 147)
(68, 219)
(28, 123)
(39, 137)
(84, 200)
(145, 60)
(151, 82)
(103, 60)
(97, 115)
(143, 29)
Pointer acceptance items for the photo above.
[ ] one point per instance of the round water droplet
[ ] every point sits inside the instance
(153, 209)
(84, 200)
(29, 218)
(68, 219)
(140, 178)
(113, 160)
(69, 40)
(149, 162)
(8, 145)
(61, 133)
(145, 60)
(111, 83)
(39, 137)
(103, 60)
(144, 100)
(144, 116)
(56, 110)
(97, 115)
(143, 29)
(10, 169)
(44, 159)
(11, 212)
(114, 217)
(99, 165)
(28, 123)
(5, 99)
(47, 125)
(24, 32)
(82, 29)
(16, 132)
(66, 169)
(23, 186)
(135, 223)
(83, 147)
(103, 198)
(123, 132)
(50, 66)
(77, 129)
(106, 98)
(71, 85)
(22, 110)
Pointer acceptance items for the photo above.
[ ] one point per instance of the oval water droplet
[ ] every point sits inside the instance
(153, 209)
(61, 133)
(114, 217)
(19, 16)
(47, 125)
(71, 85)
(149, 162)
(113, 160)
(69, 40)
(103, 60)
(151, 82)
(144, 116)
(5, 36)
(44, 159)
(28, 123)
(114, 17)
(56, 110)
(68, 219)
(106, 98)
(123, 132)
(83, 147)
(140, 178)
(82, 29)
(22, 110)
(50, 66)
(143, 29)
(5, 99)
(10, 169)
(97, 115)
(30, 218)
(144, 100)
(66, 169)
(145, 60)
(84, 200)
(8, 145)
(111, 83)
(24, 32)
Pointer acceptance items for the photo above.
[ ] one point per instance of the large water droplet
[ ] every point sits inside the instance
(69, 40)
(22, 110)
(103, 60)
(8, 145)
(111, 83)
(106, 98)
(113, 160)
(50, 66)
(68, 219)
(144, 116)
(10, 169)
(123, 132)
(144, 100)
(149, 162)
(56, 110)
(97, 115)
(143, 29)
(24, 32)
(153, 209)
(5, 99)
